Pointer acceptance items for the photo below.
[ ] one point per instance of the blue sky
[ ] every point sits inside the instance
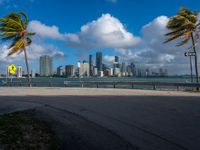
(134, 20)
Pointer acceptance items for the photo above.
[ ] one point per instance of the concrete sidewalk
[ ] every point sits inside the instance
(39, 91)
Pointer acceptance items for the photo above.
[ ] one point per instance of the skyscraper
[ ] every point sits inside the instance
(99, 61)
(46, 66)
(69, 70)
(117, 59)
(60, 70)
(33, 73)
(116, 62)
(123, 69)
(83, 68)
(19, 71)
(91, 67)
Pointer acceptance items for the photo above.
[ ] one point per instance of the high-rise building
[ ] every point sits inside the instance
(99, 61)
(117, 59)
(46, 66)
(147, 72)
(91, 65)
(83, 68)
(60, 70)
(33, 73)
(111, 71)
(116, 71)
(123, 69)
(129, 71)
(95, 71)
(116, 62)
(132, 65)
(19, 71)
(69, 70)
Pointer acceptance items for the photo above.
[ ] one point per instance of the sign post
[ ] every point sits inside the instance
(12, 69)
(190, 54)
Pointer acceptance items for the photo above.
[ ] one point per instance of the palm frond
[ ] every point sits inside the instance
(28, 41)
(19, 45)
(15, 40)
(182, 25)
(183, 42)
(8, 33)
(173, 37)
(31, 33)
(8, 37)
(11, 23)
(7, 29)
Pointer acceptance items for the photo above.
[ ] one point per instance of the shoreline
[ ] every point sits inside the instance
(53, 91)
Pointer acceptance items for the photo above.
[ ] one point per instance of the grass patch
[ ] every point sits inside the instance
(21, 131)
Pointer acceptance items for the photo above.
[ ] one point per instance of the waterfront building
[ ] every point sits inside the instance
(123, 69)
(101, 74)
(95, 71)
(91, 66)
(69, 71)
(19, 72)
(60, 70)
(116, 62)
(7, 71)
(117, 71)
(107, 73)
(111, 72)
(99, 61)
(147, 72)
(133, 68)
(116, 59)
(129, 71)
(33, 74)
(46, 66)
(83, 68)
(161, 72)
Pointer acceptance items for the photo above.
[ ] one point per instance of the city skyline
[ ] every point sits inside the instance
(142, 42)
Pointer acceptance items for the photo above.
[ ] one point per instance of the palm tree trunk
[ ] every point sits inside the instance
(196, 61)
(27, 67)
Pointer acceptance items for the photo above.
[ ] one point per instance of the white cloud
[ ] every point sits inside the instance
(105, 32)
(108, 32)
(45, 31)
(34, 52)
(153, 53)
(108, 59)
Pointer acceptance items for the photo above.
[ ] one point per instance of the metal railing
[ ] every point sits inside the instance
(109, 84)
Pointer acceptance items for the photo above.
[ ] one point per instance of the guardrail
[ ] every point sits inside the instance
(154, 85)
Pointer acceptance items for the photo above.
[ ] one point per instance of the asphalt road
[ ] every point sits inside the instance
(117, 122)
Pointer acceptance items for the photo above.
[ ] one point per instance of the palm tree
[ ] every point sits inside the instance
(13, 28)
(182, 27)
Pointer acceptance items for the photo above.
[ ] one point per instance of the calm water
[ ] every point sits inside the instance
(149, 79)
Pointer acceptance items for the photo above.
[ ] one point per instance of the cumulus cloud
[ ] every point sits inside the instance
(45, 31)
(34, 53)
(105, 32)
(153, 53)
(108, 59)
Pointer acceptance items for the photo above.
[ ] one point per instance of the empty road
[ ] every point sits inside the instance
(144, 122)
